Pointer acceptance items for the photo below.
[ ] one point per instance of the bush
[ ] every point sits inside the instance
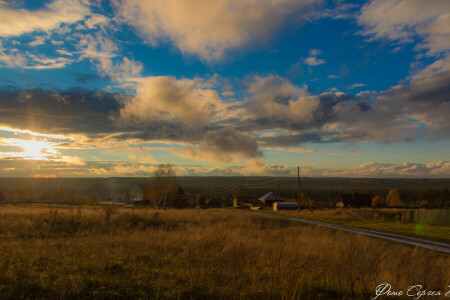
(331, 205)
(393, 198)
(378, 201)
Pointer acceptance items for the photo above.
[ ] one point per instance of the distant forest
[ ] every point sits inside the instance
(126, 189)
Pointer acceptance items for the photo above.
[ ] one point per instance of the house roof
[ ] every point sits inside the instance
(213, 200)
(270, 197)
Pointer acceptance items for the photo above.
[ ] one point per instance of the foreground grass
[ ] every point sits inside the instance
(62, 252)
(368, 218)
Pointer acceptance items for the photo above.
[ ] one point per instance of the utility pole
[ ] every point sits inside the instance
(278, 190)
(298, 189)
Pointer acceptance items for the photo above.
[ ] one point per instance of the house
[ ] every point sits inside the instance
(269, 199)
(213, 202)
(354, 200)
(285, 206)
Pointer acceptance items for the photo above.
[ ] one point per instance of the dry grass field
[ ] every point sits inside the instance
(97, 252)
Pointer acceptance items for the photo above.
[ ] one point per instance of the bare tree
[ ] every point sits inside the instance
(164, 182)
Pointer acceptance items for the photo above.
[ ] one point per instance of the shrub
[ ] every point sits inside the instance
(393, 198)
(378, 201)
(331, 205)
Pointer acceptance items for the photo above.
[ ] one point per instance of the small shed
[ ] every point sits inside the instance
(213, 202)
(269, 199)
(245, 201)
(285, 206)
(355, 200)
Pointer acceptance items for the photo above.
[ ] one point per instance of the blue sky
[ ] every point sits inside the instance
(341, 88)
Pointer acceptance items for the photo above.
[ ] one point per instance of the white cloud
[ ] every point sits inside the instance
(356, 85)
(402, 20)
(312, 60)
(100, 48)
(209, 28)
(11, 58)
(63, 52)
(14, 22)
(39, 40)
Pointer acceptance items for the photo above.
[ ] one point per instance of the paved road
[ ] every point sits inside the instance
(392, 237)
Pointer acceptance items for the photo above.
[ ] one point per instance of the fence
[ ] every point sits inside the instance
(433, 217)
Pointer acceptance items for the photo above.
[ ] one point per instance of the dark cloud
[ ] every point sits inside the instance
(71, 111)
(230, 141)
(86, 78)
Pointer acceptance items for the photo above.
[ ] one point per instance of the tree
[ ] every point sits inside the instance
(201, 201)
(378, 201)
(164, 183)
(180, 199)
(393, 198)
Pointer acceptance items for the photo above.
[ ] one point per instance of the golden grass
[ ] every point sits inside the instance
(67, 252)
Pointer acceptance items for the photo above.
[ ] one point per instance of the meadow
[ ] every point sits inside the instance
(97, 252)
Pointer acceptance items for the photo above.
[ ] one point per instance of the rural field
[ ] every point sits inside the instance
(61, 251)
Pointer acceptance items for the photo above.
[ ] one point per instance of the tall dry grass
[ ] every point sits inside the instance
(66, 252)
(362, 214)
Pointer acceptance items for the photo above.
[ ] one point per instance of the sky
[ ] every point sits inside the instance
(92, 88)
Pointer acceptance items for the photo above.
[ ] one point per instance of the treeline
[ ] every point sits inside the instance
(184, 194)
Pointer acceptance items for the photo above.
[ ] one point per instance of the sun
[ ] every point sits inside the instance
(32, 149)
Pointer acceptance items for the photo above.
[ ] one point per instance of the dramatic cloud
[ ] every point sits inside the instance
(72, 111)
(402, 20)
(426, 99)
(222, 145)
(275, 102)
(182, 101)
(209, 28)
(14, 22)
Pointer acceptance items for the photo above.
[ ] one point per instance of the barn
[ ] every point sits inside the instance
(354, 200)
(285, 206)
